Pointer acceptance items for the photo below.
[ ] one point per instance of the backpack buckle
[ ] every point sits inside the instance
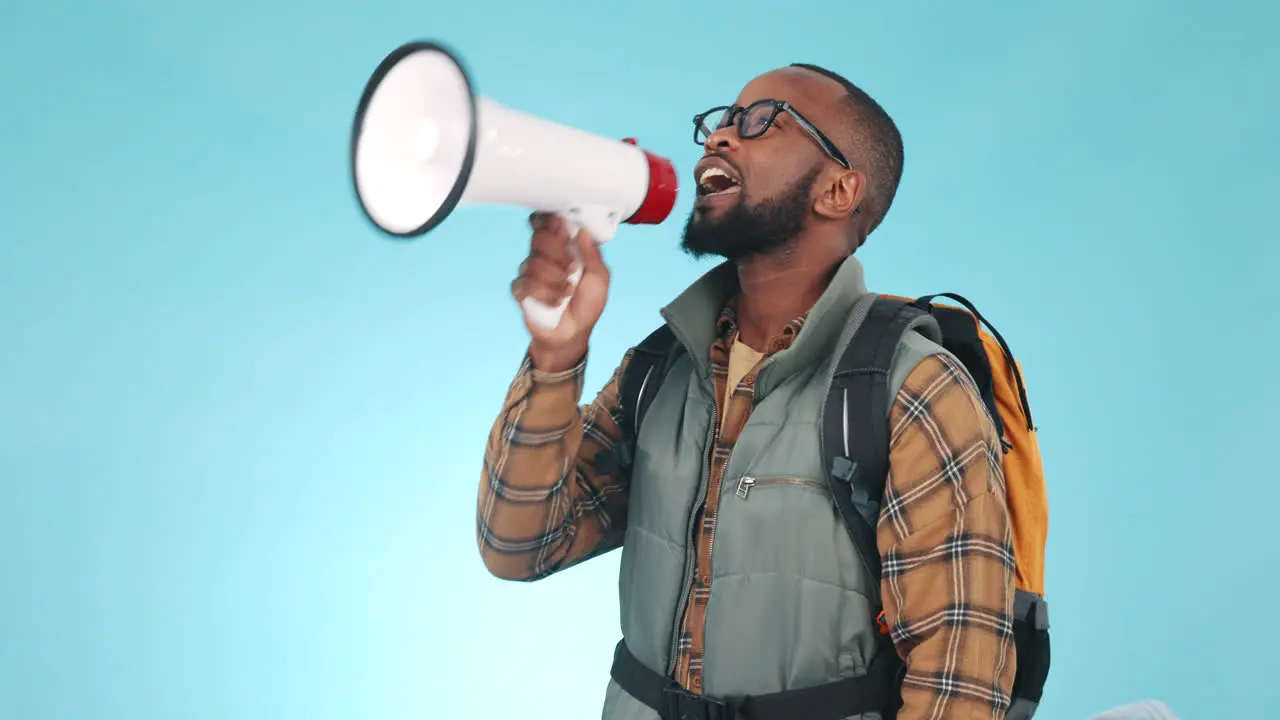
(843, 469)
(680, 704)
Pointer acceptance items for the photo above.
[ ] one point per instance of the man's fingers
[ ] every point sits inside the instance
(545, 270)
(538, 220)
(554, 248)
(549, 294)
(589, 252)
(542, 279)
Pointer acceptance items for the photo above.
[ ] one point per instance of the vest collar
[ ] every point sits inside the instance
(693, 314)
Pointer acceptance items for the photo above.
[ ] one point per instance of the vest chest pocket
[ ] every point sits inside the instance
(749, 482)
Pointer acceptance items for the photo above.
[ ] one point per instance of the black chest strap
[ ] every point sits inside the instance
(833, 701)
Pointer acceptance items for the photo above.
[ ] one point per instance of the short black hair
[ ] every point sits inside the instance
(874, 145)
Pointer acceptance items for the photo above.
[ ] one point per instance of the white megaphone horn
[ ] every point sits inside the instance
(423, 143)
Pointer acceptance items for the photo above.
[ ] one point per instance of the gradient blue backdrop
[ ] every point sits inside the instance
(240, 433)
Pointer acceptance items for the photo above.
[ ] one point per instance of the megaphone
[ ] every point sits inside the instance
(423, 143)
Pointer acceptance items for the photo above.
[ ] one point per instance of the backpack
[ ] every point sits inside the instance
(856, 449)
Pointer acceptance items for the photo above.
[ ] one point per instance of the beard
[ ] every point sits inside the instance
(743, 230)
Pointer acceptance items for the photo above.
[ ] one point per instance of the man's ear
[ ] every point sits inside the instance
(842, 194)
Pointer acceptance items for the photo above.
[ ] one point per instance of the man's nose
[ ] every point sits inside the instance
(724, 139)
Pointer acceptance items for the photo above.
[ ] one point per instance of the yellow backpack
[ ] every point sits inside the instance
(861, 375)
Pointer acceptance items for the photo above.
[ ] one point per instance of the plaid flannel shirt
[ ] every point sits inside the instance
(944, 532)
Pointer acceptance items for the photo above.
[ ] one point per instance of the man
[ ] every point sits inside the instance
(737, 575)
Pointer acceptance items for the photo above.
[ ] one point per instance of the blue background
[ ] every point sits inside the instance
(241, 433)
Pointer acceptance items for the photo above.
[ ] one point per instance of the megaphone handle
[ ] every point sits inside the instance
(601, 224)
(548, 316)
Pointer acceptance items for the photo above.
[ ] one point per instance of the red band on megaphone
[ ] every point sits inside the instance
(663, 188)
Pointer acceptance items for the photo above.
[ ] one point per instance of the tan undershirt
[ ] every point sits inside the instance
(741, 359)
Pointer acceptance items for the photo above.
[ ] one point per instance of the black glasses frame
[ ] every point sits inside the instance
(737, 113)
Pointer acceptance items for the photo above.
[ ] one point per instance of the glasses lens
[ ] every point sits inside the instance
(756, 118)
(714, 120)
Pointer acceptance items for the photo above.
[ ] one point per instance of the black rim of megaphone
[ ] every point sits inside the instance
(459, 185)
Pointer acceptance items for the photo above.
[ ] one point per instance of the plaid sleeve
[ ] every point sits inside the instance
(947, 549)
(545, 503)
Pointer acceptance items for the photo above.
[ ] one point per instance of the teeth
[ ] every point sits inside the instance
(710, 173)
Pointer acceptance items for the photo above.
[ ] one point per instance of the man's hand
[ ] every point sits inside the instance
(544, 276)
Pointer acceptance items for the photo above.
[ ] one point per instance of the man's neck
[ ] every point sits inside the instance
(773, 291)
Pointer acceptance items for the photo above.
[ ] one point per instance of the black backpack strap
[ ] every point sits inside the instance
(1031, 643)
(966, 333)
(644, 374)
(855, 443)
(855, 426)
(844, 698)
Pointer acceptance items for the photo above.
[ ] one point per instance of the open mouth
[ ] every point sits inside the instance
(715, 181)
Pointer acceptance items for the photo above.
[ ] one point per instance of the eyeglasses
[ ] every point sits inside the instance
(754, 119)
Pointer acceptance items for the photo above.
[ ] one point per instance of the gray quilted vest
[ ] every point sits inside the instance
(791, 604)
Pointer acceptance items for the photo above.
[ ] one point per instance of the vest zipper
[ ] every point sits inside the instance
(691, 553)
(747, 482)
